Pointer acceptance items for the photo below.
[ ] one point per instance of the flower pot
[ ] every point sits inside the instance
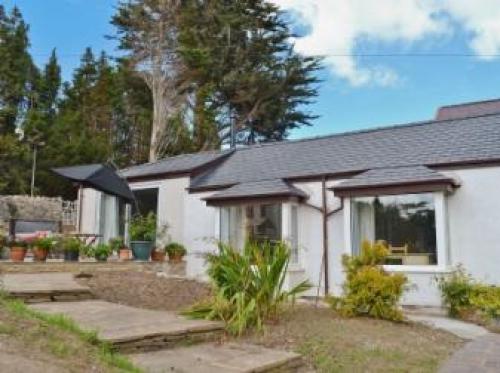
(71, 256)
(101, 258)
(124, 254)
(175, 258)
(40, 255)
(158, 256)
(141, 249)
(17, 254)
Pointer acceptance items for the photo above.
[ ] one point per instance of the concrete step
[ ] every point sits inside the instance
(44, 287)
(131, 329)
(215, 358)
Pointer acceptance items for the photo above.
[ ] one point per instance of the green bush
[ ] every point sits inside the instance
(44, 243)
(72, 244)
(248, 286)
(143, 228)
(100, 252)
(369, 290)
(116, 243)
(463, 296)
(175, 248)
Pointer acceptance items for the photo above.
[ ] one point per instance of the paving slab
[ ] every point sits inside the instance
(218, 358)
(130, 328)
(44, 287)
(460, 328)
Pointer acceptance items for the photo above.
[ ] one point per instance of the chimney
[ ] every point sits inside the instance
(468, 109)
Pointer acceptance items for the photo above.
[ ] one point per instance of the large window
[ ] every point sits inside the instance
(407, 223)
(257, 222)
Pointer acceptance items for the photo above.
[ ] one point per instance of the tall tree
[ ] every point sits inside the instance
(148, 31)
(242, 67)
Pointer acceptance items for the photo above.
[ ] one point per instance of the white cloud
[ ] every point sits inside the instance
(336, 28)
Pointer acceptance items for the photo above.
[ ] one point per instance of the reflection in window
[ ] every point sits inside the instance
(406, 222)
(258, 223)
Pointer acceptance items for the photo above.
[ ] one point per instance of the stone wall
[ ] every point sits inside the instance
(26, 207)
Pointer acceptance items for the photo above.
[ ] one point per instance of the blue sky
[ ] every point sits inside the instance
(356, 92)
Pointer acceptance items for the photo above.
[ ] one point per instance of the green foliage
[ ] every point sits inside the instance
(100, 251)
(175, 248)
(71, 244)
(464, 296)
(368, 289)
(14, 165)
(248, 286)
(17, 243)
(116, 243)
(143, 228)
(44, 243)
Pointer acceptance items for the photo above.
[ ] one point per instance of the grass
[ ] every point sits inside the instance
(60, 337)
(330, 343)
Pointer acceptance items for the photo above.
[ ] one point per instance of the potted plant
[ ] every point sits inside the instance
(158, 255)
(41, 247)
(142, 235)
(17, 250)
(71, 246)
(117, 244)
(100, 252)
(175, 252)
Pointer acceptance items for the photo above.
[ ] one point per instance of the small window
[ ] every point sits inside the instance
(407, 223)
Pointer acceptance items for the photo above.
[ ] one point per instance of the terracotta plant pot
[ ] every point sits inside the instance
(124, 254)
(17, 254)
(175, 258)
(40, 255)
(157, 256)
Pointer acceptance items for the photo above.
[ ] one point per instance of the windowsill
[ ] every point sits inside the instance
(295, 267)
(417, 268)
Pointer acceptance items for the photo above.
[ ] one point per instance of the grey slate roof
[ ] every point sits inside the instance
(468, 109)
(429, 143)
(275, 187)
(379, 177)
(177, 164)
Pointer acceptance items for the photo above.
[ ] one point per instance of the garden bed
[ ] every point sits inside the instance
(145, 289)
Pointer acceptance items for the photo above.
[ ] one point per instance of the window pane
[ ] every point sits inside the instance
(406, 222)
(294, 235)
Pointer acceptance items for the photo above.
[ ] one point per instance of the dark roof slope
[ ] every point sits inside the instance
(178, 164)
(275, 187)
(380, 177)
(429, 143)
(469, 109)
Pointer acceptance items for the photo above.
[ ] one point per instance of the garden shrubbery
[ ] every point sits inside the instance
(469, 299)
(368, 289)
(248, 285)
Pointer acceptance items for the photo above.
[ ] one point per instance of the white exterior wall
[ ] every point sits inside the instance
(90, 210)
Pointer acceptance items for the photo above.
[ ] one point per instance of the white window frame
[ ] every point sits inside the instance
(155, 184)
(441, 238)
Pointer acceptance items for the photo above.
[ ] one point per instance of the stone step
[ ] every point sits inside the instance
(44, 287)
(131, 329)
(223, 358)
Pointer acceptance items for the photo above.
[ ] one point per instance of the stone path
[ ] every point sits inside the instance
(153, 339)
(480, 355)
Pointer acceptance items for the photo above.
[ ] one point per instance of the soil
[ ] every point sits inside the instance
(145, 290)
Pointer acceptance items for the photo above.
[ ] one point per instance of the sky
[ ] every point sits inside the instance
(385, 61)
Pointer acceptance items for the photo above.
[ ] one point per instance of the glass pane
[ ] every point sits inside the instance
(263, 222)
(294, 235)
(406, 222)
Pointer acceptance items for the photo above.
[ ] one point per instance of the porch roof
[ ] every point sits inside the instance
(257, 189)
(414, 178)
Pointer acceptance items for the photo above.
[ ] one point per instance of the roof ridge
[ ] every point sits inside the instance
(362, 131)
(470, 103)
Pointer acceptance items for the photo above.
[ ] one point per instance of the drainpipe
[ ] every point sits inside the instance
(325, 234)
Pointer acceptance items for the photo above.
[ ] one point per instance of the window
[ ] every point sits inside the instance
(406, 222)
(146, 201)
(257, 222)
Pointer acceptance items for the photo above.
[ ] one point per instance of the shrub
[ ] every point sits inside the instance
(44, 243)
(143, 228)
(72, 244)
(248, 286)
(368, 289)
(175, 248)
(464, 296)
(99, 252)
(116, 243)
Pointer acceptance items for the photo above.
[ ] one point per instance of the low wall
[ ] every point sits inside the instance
(162, 268)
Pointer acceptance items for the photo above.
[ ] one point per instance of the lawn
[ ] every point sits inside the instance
(34, 342)
(328, 342)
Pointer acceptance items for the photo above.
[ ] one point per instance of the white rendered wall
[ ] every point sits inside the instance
(90, 209)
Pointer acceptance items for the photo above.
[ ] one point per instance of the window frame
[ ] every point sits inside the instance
(442, 256)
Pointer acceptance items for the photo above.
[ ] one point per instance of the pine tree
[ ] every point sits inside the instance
(239, 55)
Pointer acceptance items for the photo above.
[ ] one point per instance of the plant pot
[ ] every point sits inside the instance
(158, 256)
(124, 254)
(101, 258)
(141, 249)
(175, 258)
(17, 254)
(71, 256)
(40, 255)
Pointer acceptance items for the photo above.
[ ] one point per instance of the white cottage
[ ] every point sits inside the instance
(431, 190)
